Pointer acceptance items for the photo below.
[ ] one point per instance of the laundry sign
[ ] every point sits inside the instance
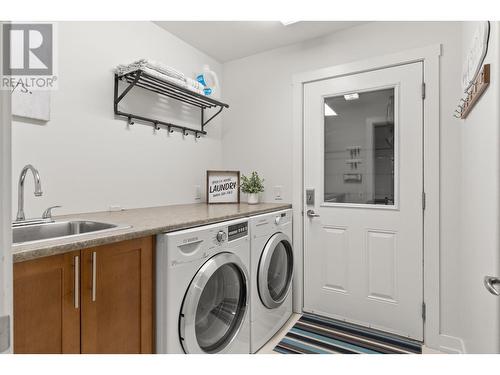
(223, 187)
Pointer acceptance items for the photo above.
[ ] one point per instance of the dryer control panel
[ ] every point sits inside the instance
(236, 231)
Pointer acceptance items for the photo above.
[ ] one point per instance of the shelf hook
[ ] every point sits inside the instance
(185, 132)
(197, 135)
(157, 127)
(130, 122)
(170, 130)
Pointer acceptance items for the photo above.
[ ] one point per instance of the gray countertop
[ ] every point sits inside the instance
(144, 222)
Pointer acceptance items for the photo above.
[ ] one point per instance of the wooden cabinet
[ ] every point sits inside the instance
(46, 306)
(98, 300)
(117, 295)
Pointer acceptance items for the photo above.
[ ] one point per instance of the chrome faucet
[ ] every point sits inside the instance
(20, 192)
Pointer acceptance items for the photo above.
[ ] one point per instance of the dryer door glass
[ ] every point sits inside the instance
(278, 272)
(275, 270)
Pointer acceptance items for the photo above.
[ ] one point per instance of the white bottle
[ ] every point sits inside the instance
(209, 79)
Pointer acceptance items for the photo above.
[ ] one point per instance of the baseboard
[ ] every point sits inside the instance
(450, 345)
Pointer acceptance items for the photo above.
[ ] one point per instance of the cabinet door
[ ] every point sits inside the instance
(46, 305)
(117, 298)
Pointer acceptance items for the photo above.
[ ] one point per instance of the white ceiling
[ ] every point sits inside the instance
(230, 40)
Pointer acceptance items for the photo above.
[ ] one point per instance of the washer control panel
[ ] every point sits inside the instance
(236, 231)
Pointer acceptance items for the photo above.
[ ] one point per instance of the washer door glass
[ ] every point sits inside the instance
(220, 308)
(215, 305)
(275, 270)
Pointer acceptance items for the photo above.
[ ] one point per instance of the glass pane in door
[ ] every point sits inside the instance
(279, 272)
(359, 148)
(221, 308)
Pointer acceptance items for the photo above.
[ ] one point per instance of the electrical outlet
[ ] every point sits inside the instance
(278, 192)
(197, 192)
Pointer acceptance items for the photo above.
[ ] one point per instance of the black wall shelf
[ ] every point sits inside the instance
(139, 78)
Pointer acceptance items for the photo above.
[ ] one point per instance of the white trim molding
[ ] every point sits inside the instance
(5, 214)
(430, 57)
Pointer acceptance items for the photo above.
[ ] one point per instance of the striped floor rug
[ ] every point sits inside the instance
(316, 335)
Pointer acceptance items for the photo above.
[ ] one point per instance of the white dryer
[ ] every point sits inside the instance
(271, 272)
(203, 289)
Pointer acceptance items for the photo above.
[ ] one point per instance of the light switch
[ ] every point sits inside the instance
(278, 192)
(197, 192)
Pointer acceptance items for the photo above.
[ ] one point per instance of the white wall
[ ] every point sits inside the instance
(257, 132)
(479, 235)
(87, 159)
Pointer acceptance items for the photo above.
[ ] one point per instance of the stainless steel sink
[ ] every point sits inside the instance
(59, 229)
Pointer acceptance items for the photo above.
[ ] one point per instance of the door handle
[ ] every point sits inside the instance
(311, 213)
(94, 276)
(490, 282)
(77, 282)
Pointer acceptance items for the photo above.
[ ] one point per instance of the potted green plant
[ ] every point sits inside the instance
(252, 186)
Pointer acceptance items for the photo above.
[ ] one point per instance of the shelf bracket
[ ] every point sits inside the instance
(204, 123)
(129, 87)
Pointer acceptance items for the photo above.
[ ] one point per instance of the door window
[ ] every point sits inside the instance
(360, 138)
(221, 308)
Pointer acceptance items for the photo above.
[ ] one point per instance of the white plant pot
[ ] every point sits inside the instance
(253, 198)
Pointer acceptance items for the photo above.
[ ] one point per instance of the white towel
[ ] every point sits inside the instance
(161, 71)
(146, 63)
(164, 77)
(165, 69)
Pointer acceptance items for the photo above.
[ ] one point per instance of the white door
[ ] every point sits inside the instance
(363, 214)
(5, 221)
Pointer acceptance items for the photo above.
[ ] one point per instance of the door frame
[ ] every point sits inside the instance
(430, 58)
(6, 294)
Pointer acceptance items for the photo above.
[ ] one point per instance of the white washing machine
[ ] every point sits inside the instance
(271, 271)
(203, 289)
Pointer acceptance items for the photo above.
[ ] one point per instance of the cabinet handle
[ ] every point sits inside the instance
(94, 276)
(77, 282)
